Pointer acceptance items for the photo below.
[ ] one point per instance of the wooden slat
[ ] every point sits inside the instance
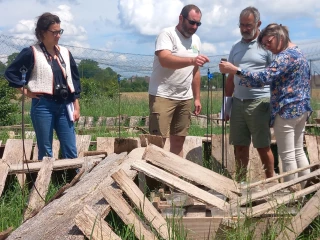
(190, 170)
(125, 145)
(192, 149)
(255, 170)
(126, 213)
(312, 148)
(57, 165)
(229, 159)
(256, 195)
(13, 154)
(105, 144)
(183, 186)
(55, 150)
(262, 208)
(302, 220)
(83, 144)
(141, 202)
(94, 226)
(59, 214)
(39, 191)
(279, 176)
(4, 170)
(200, 228)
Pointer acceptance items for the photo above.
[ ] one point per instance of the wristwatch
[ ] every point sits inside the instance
(238, 72)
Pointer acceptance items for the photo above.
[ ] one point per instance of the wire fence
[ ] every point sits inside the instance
(128, 64)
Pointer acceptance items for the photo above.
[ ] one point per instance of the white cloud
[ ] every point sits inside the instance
(208, 48)
(148, 17)
(132, 25)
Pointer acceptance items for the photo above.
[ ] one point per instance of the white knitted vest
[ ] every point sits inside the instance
(41, 79)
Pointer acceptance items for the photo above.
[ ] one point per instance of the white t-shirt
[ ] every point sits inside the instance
(174, 83)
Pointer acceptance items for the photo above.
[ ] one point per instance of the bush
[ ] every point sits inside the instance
(8, 106)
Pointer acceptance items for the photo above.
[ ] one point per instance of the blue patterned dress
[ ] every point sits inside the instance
(289, 79)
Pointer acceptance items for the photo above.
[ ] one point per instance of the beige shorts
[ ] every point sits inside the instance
(169, 116)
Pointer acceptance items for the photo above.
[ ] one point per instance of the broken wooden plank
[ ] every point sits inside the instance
(268, 191)
(125, 145)
(94, 153)
(187, 169)
(4, 170)
(127, 214)
(263, 208)
(312, 148)
(93, 225)
(57, 165)
(192, 149)
(154, 139)
(59, 214)
(177, 183)
(229, 159)
(13, 154)
(55, 150)
(142, 202)
(105, 144)
(83, 144)
(255, 169)
(267, 180)
(302, 220)
(39, 190)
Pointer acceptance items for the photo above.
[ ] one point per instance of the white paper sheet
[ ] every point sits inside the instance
(226, 109)
(70, 109)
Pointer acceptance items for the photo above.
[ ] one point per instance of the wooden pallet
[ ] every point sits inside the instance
(88, 202)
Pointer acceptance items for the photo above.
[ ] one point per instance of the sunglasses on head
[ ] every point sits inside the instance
(191, 22)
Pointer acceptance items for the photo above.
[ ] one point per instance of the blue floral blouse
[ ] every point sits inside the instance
(289, 79)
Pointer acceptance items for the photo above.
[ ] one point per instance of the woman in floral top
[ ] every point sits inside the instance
(289, 79)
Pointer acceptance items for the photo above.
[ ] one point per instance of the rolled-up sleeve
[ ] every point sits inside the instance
(13, 74)
(75, 76)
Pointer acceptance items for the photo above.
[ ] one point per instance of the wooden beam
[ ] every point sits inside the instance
(93, 225)
(4, 170)
(39, 190)
(57, 165)
(262, 208)
(105, 144)
(256, 195)
(279, 176)
(13, 154)
(312, 148)
(83, 144)
(183, 186)
(187, 169)
(126, 213)
(55, 150)
(303, 219)
(141, 202)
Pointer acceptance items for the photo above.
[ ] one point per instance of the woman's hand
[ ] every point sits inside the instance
(226, 67)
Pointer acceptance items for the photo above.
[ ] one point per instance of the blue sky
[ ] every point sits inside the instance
(131, 26)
